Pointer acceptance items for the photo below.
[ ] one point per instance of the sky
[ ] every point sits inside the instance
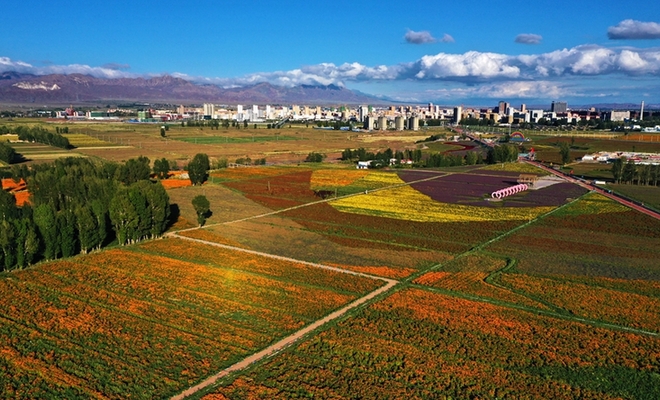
(451, 53)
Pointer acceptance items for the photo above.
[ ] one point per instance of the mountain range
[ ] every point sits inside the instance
(16, 88)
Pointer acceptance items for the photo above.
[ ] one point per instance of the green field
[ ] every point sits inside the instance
(649, 195)
(230, 139)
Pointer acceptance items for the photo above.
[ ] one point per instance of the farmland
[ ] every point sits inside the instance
(419, 344)
(549, 293)
(112, 324)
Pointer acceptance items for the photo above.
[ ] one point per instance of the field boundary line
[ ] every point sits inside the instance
(296, 336)
(268, 214)
(282, 258)
(549, 313)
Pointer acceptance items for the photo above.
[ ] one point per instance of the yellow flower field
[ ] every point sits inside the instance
(408, 204)
(594, 203)
(330, 178)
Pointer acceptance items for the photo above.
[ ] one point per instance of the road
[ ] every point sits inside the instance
(598, 190)
(296, 336)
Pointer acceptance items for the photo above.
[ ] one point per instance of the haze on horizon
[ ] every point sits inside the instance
(416, 52)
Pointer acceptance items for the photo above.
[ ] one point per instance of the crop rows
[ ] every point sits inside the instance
(417, 344)
(152, 320)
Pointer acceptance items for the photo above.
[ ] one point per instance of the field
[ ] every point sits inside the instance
(422, 287)
(649, 195)
(290, 144)
(594, 258)
(151, 320)
(419, 344)
(37, 152)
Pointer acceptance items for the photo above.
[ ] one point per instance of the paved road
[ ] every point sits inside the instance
(599, 190)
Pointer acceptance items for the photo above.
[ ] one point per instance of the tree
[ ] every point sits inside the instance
(134, 170)
(161, 168)
(202, 208)
(470, 158)
(629, 172)
(617, 169)
(565, 152)
(315, 157)
(7, 153)
(44, 218)
(198, 169)
(123, 216)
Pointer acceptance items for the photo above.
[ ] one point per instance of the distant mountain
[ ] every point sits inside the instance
(76, 88)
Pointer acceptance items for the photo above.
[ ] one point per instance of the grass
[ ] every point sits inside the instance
(649, 195)
(83, 140)
(441, 147)
(226, 205)
(228, 139)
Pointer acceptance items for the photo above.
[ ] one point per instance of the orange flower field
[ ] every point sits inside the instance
(416, 344)
(175, 183)
(147, 320)
(618, 306)
(469, 275)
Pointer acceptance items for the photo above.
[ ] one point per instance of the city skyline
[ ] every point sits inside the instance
(423, 52)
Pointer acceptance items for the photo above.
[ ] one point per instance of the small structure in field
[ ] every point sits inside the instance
(529, 179)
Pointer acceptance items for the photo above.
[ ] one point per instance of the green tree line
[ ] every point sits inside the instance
(77, 206)
(631, 173)
(38, 134)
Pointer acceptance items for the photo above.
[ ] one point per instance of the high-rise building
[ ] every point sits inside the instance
(523, 108)
(559, 107)
(458, 111)
(369, 123)
(209, 109)
(502, 107)
(363, 111)
(239, 112)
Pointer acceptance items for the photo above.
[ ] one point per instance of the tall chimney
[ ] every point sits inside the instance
(641, 113)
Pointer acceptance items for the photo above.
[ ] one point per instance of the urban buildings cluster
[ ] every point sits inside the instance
(408, 117)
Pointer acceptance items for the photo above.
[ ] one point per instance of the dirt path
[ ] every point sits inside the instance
(389, 285)
(268, 214)
(296, 336)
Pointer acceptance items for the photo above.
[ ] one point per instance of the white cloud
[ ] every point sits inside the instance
(7, 64)
(502, 90)
(447, 38)
(420, 37)
(472, 67)
(528, 38)
(632, 29)
(592, 60)
(472, 64)
(116, 66)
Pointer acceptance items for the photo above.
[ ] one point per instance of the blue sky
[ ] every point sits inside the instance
(446, 52)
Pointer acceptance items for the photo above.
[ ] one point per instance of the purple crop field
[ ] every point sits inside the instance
(472, 189)
(554, 195)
